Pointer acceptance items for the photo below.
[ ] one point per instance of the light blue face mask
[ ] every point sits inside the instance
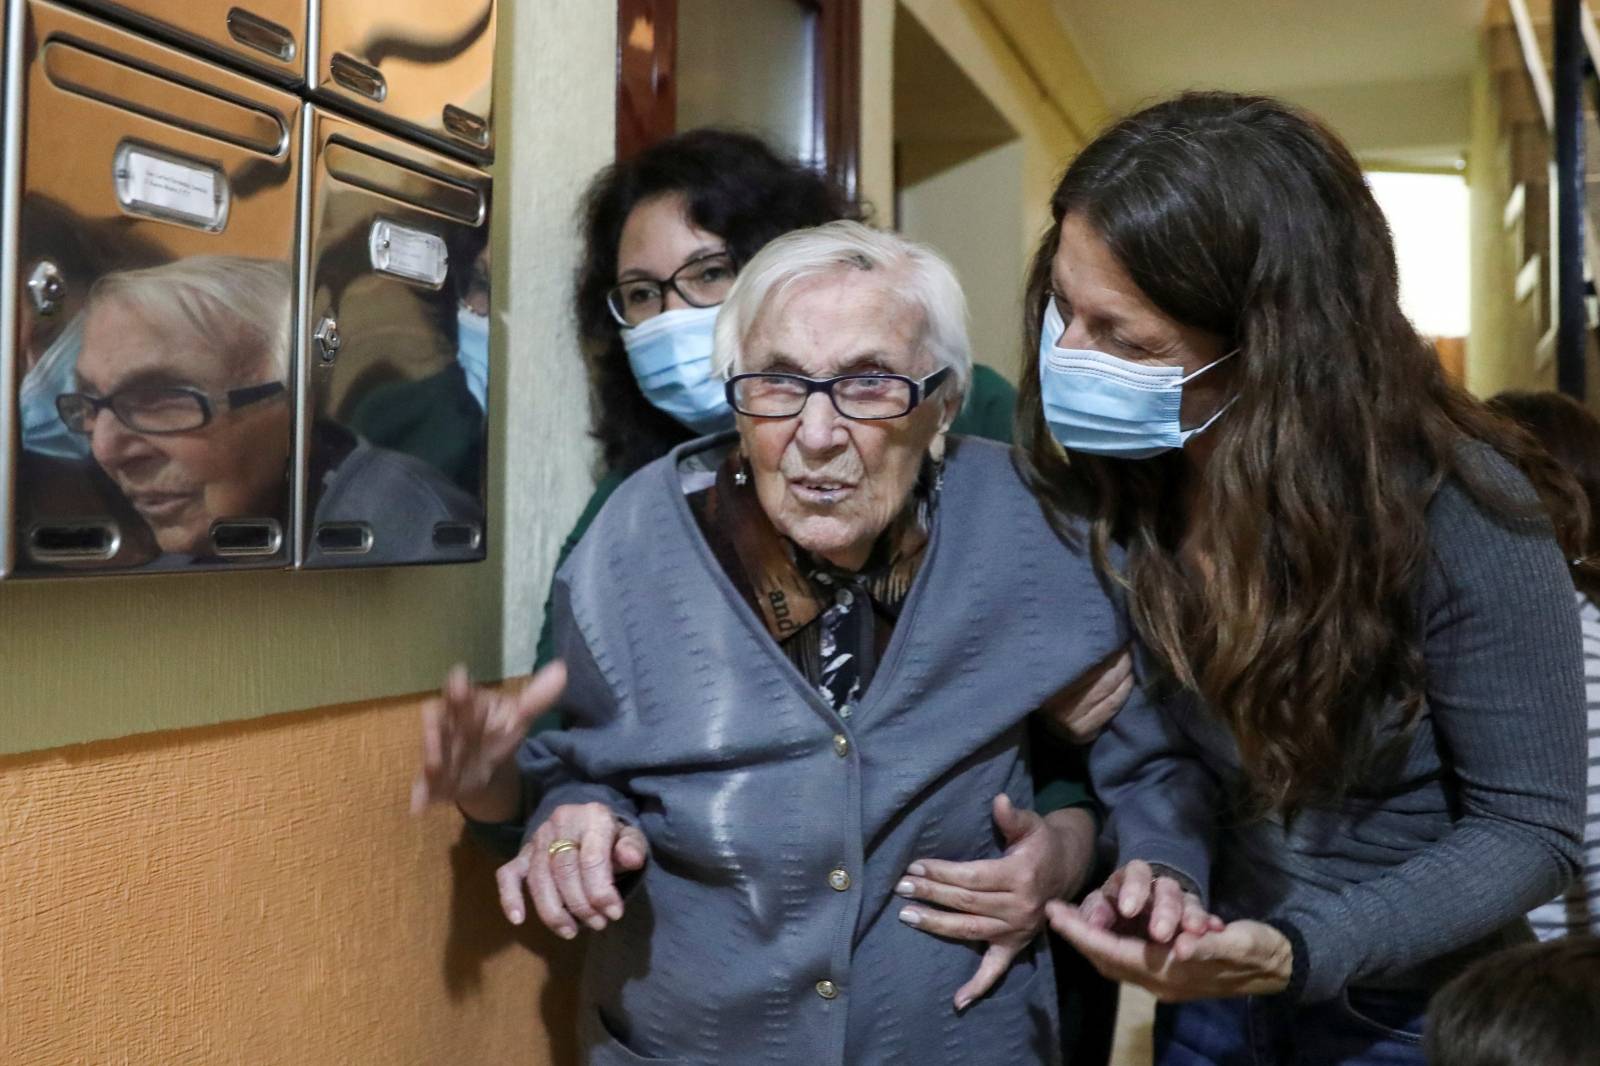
(1102, 405)
(43, 431)
(472, 352)
(671, 357)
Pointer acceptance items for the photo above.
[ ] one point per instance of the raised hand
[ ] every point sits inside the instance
(468, 737)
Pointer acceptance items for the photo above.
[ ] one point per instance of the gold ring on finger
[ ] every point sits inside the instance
(558, 846)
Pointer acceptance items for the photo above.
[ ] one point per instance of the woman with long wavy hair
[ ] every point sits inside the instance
(1348, 580)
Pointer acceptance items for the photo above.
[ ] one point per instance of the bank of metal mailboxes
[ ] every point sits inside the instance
(239, 329)
(420, 67)
(267, 36)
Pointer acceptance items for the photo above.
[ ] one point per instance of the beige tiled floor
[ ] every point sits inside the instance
(1133, 1028)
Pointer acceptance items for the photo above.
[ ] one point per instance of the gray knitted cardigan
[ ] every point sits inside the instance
(764, 928)
(1437, 853)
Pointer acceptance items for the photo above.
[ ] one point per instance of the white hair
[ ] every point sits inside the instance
(917, 273)
(241, 308)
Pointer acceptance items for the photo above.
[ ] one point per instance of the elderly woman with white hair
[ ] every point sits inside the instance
(799, 662)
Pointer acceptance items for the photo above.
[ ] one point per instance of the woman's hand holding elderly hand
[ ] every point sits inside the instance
(1140, 901)
(1001, 901)
(1145, 929)
(569, 866)
(468, 737)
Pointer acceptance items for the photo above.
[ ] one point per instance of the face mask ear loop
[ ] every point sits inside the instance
(1208, 366)
(1202, 427)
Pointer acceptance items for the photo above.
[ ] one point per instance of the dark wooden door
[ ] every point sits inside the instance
(647, 99)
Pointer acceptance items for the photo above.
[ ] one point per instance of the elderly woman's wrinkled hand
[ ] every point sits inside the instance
(1081, 711)
(569, 867)
(1241, 958)
(468, 736)
(1001, 901)
(1148, 902)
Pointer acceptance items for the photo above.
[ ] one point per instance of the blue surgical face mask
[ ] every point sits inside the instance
(56, 371)
(472, 352)
(671, 357)
(1103, 405)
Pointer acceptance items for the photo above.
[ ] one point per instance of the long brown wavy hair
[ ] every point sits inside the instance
(1246, 217)
(1570, 432)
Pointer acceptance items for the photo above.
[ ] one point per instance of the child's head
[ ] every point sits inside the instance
(1533, 1005)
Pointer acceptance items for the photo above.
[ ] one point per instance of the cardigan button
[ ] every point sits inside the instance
(841, 745)
(839, 879)
(827, 990)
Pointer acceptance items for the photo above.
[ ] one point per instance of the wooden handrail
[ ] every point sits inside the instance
(1533, 61)
(1591, 35)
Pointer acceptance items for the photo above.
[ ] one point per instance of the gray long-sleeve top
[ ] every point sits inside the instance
(1433, 860)
(764, 928)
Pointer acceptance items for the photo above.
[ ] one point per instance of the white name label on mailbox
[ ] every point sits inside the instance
(167, 187)
(413, 254)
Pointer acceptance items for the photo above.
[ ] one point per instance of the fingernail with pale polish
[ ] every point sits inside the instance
(911, 916)
(916, 869)
(566, 932)
(614, 912)
(962, 1004)
(516, 917)
(904, 888)
(597, 923)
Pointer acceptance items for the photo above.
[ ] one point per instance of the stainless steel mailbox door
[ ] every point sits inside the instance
(265, 35)
(10, 145)
(153, 302)
(422, 67)
(396, 351)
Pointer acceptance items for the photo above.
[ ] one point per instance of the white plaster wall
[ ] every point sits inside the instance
(559, 58)
(969, 31)
(876, 177)
(973, 214)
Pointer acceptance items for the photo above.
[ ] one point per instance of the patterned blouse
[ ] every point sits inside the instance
(833, 624)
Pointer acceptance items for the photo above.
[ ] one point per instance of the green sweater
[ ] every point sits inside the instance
(1060, 773)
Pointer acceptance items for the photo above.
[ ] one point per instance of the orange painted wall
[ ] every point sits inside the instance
(258, 894)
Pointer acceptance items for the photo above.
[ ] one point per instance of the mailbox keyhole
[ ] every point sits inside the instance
(260, 536)
(73, 540)
(345, 538)
(457, 535)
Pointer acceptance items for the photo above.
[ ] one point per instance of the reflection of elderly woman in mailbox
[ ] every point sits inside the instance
(799, 665)
(183, 393)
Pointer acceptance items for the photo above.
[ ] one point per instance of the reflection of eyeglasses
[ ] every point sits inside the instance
(702, 282)
(157, 408)
(863, 397)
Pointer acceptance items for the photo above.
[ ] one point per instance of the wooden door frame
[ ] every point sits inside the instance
(647, 92)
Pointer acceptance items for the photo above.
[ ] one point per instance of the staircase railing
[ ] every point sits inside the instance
(1569, 192)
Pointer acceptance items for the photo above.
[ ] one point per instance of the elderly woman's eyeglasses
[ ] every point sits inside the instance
(863, 397)
(157, 408)
(701, 282)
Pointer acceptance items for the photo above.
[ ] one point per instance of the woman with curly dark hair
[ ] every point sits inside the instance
(664, 234)
(1369, 763)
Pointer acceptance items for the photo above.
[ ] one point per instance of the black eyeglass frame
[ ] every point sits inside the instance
(233, 398)
(920, 391)
(670, 282)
